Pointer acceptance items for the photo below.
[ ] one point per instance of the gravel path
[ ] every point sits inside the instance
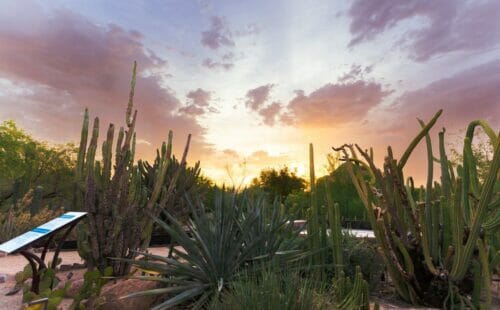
(11, 264)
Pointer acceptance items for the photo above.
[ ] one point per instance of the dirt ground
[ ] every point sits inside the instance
(11, 264)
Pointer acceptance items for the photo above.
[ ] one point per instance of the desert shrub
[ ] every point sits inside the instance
(27, 164)
(93, 282)
(47, 286)
(274, 290)
(20, 217)
(363, 253)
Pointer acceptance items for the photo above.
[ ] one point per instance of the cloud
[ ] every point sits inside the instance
(198, 103)
(449, 25)
(334, 104)
(200, 97)
(270, 113)
(465, 96)
(250, 29)
(225, 64)
(257, 96)
(357, 72)
(69, 63)
(218, 35)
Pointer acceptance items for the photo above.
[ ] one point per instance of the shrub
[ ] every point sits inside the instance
(274, 290)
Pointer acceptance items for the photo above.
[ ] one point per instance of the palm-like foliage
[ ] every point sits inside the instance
(235, 236)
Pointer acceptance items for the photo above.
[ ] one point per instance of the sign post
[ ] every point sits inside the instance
(47, 233)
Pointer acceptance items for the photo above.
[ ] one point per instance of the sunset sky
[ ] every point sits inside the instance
(253, 81)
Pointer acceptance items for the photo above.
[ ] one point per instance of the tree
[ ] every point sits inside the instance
(279, 183)
(35, 180)
(343, 192)
(26, 163)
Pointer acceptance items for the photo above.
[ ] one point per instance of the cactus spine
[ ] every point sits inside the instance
(433, 244)
(114, 193)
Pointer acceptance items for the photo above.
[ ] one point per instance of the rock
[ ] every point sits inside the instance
(79, 266)
(65, 267)
(111, 293)
(74, 288)
(13, 291)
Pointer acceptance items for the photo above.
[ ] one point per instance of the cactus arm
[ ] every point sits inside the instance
(430, 208)
(313, 222)
(425, 243)
(416, 140)
(92, 147)
(119, 144)
(445, 172)
(107, 156)
(492, 224)
(457, 220)
(486, 274)
(83, 146)
(486, 128)
(409, 267)
(459, 269)
(335, 230)
(447, 231)
(130, 104)
(470, 166)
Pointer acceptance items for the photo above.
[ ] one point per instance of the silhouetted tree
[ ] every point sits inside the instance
(279, 183)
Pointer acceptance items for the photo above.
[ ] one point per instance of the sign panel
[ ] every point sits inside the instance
(41, 231)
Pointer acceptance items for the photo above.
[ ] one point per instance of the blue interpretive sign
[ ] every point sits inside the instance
(26, 239)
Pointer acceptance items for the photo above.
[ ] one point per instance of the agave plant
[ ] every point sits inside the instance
(215, 246)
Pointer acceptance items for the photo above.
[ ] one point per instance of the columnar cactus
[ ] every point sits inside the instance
(433, 244)
(349, 294)
(316, 222)
(116, 194)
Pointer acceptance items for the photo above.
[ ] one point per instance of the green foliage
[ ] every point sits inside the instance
(48, 281)
(343, 192)
(235, 236)
(26, 163)
(298, 203)
(271, 290)
(118, 195)
(34, 180)
(362, 253)
(25, 214)
(93, 281)
(280, 183)
(434, 242)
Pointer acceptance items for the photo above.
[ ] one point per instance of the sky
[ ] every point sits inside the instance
(254, 82)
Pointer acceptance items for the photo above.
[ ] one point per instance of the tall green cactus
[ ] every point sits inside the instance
(116, 194)
(433, 244)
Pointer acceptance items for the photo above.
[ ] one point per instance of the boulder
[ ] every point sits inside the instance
(111, 293)
(74, 288)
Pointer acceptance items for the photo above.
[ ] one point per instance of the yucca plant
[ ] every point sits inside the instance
(216, 247)
(435, 242)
